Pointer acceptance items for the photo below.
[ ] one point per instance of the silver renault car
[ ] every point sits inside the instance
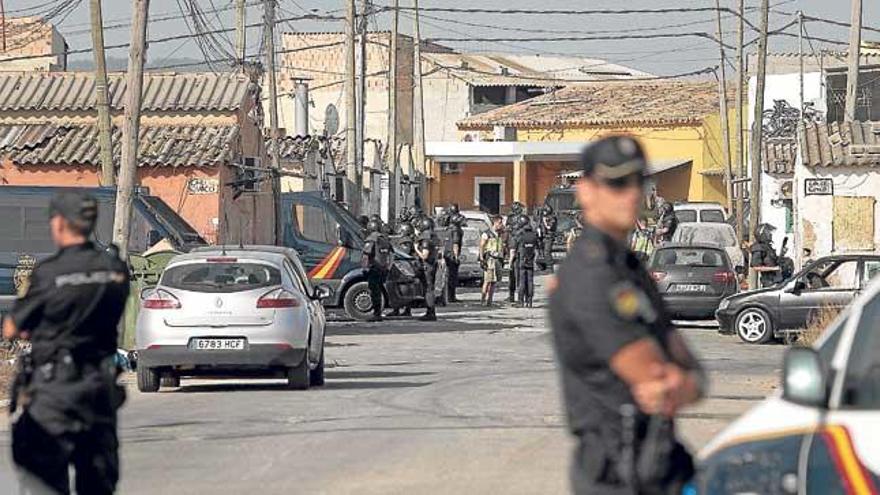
(247, 311)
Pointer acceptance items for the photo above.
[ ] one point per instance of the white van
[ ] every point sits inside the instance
(700, 212)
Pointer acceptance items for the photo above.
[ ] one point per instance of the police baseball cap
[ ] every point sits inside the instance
(76, 207)
(614, 158)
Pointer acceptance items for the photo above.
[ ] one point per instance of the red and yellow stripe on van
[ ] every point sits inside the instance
(855, 478)
(328, 266)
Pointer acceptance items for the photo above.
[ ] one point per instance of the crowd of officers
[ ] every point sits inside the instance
(515, 242)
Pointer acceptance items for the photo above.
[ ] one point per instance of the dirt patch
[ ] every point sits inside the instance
(817, 325)
(7, 373)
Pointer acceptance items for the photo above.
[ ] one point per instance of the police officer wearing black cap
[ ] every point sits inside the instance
(377, 258)
(426, 249)
(66, 398)
(625, 370)
(452, 253)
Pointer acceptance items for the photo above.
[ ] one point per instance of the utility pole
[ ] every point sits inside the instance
(392, 114)
(419, 108)
(722, 99)
(269, 22)
(800, 15)
(240, 31)
(852, 75)
(131, 127)
(758, 130)
(740, 149)
(108, 174)
(360, 131)
(354, 198)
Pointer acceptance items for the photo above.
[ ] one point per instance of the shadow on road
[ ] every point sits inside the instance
(336, 380)
(411, 326)
(332, 374)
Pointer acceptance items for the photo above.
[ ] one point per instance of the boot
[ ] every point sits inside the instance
(407, 311)
(374, 318)
(431, 315)
(395, 312)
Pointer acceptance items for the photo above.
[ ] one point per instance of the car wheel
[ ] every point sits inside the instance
(753, 326)
(299, 377)
(357, 302)
(170, 380)
(316, 376)
(147, 379)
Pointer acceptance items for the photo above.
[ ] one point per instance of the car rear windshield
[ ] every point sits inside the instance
(712, 216)
(221, 277)
(562, 201)
(690, 257)
(686, 215)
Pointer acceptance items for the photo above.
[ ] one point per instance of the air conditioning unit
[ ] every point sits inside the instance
(450, 168)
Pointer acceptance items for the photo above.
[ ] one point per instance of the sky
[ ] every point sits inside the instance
(680, 53)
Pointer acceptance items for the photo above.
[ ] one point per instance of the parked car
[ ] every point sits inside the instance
(249, 310)
(693, 279)
(470, 270)
(697, 211)
(819, 434)
(476, 219)
(784, 309)
(714, 234)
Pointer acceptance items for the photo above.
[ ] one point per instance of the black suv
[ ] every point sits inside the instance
(786, 308)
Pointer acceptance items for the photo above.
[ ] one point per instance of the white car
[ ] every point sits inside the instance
(714, 234)
(821, 433)
(700, 212)
(476, 219)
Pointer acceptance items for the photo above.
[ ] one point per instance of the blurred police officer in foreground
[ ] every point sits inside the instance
(625, 370)
(66, 397)
(426, 249)
(377, 261)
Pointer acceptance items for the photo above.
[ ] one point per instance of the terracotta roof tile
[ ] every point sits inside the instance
(840, 144)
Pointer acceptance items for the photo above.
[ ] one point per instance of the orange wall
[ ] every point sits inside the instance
(165, 182)
(674, 184)
(541, 177)
(459, 188)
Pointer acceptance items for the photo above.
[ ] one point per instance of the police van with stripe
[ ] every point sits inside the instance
(821, 433)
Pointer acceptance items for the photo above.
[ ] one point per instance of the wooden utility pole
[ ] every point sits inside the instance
(725, 125)
(131, 127)
(360, 131)
(758, 130)
(852, 74)
(108, 174)
(240, 31)
(354, 196)
(800, 15)
(269, 29)
(392, 114)
(740, 148)
(419, 107)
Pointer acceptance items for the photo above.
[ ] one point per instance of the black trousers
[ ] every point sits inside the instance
(512, 286)
(548, 248)
(428, 275)
(375, 281)
(526, 278)
(452, 267)
(93, 454)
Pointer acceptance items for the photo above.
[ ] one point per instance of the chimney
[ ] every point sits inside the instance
(302, 108)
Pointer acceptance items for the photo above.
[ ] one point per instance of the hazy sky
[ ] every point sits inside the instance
(659, 56)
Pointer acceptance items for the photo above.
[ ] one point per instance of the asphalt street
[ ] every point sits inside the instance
(469, 404)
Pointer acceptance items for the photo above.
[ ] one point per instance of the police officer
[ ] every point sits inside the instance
(67, 397)
(426, 249)
(376, 259)
(548, 224)
(514, 226)
(764, 259)
(667, 222)
(625, 370)
(452, 253)
(405, 242)
(516, 209)
(526, 254)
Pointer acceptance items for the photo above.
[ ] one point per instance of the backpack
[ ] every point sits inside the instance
(384, 253)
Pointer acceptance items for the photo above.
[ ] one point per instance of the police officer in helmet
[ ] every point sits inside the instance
(405, 242)
(426, 249)
(377, 259)
(526, 253)
(452, 253)
(667, 222)
(514, 226)
(547, 232)
(764, 259)
(625, 370)
(66, 397)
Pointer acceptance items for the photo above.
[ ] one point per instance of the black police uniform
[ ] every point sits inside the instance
(512, 239)
(763, 254)
(548, 232)
(427, 241)
(72, 309)
(669, 222)
(526, 253)
(378, 253)
(454, 238)
(606, 300)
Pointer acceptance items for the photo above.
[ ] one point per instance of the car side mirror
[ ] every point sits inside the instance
(739, 269)
(322, 292)
(804, 378)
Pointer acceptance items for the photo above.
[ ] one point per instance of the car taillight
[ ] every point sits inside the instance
(161, 299)
(658, 276)
(278, 298)
(724, 277)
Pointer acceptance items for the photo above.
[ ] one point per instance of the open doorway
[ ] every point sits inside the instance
(489, 194)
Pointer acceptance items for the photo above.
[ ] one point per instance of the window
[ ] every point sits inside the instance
(861, 387)
(686, 215)
(833, 275)
(853, 223)
(698, 258)
(712, 216)
(830, 341)
(562, 201)
(221, 277)
(297, 282)
(315, 224)
(872, 268)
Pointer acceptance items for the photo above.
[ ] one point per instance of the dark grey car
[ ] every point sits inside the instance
(693, 279)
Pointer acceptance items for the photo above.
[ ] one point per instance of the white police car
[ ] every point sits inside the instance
(821, 434)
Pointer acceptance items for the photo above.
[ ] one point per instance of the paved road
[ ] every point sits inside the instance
(466, 405)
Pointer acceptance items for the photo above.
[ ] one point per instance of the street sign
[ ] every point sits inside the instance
(818, 187)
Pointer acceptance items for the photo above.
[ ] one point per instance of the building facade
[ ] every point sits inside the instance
(31, 44)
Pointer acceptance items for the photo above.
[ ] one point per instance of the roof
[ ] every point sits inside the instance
(262, 253)
(69, 91)
(779, 155)
(502, 69)
(788, 62)
(77, 144)
(608, 103)
(502, 151)
(654, 167)
(840, 144)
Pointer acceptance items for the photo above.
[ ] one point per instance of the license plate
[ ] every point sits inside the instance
(689, 288)
(218, 344)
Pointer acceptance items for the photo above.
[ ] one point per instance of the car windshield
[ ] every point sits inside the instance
(712, 216)
(715, 235)
(861, 388)
(561, 201)
(221, 277)
(689, 257)
(686, 215)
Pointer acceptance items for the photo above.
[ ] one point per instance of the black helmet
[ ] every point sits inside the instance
(548, 210)
(426, 224)
(405, 215)
(666, 208)
(764, 232)
(453, 209)
(516, 207)
(459, 220)
(374, 226)
(523, 221)
(375, 218)
(363, 220)
(406, 229)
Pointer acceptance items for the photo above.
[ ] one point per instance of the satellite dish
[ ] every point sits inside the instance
(331, 120)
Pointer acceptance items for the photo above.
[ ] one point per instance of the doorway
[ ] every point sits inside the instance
(489, 197)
